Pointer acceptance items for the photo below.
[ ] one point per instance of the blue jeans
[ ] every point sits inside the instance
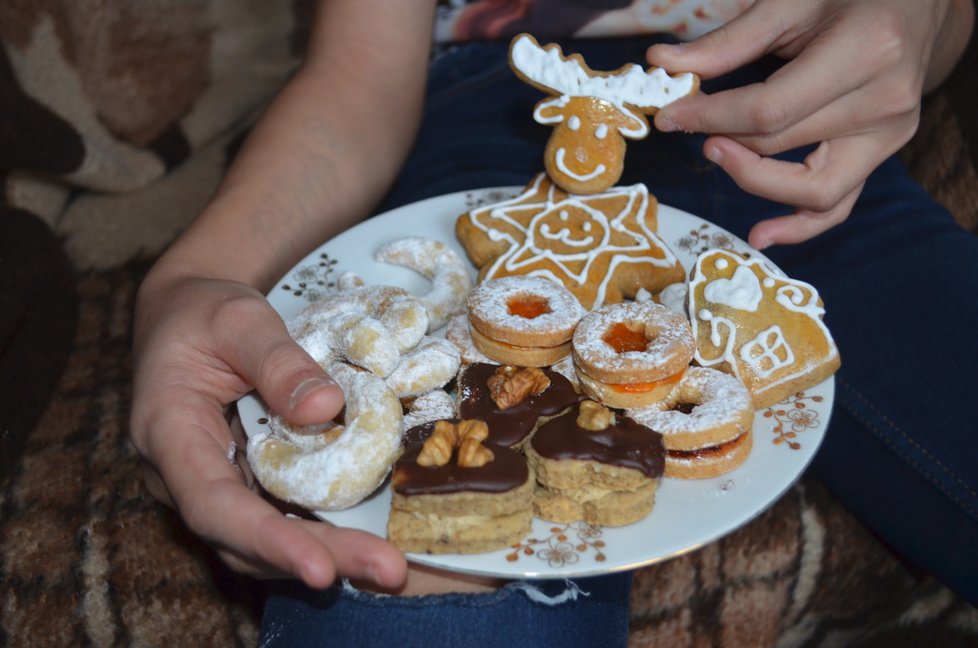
(899, 279)
(590, 612)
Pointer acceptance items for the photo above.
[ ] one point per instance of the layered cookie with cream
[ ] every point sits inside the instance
(596, 465)
(453, 493)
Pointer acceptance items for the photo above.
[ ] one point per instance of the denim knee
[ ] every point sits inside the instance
(584, 612)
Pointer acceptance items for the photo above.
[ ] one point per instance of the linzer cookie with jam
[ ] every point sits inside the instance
(632, 354)
(706, 424)
(512, 400)
(595, 465)
(523, 320)
(451, 493)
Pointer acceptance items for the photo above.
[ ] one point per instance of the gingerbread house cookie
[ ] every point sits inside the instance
(759, 325)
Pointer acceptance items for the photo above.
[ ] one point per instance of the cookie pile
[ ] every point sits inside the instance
(663, 391)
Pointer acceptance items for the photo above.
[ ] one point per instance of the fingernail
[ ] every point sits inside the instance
(306, 387)
(762, 244)
(370, 573)
(713, 154)
(674, 48)
(666, 124)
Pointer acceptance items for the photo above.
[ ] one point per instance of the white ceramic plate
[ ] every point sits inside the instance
(687, 514)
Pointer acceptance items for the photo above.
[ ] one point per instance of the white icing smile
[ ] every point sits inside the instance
(563, 168)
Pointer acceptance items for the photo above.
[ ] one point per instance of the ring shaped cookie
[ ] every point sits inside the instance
(332, 467)
(633, 342)
(525, 311)
(708, 407)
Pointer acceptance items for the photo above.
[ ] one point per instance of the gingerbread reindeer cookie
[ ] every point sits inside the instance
(592, 112)
(602, 247)
(759, 325)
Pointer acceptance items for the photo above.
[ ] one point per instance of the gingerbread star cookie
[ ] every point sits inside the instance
(603, 247)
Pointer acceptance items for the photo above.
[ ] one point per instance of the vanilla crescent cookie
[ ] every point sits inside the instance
(332, 466)
(592, 112)
(759, 325)
(370, 326)
(603, 247)
(449, 274)
(432, 406)
(430, 365)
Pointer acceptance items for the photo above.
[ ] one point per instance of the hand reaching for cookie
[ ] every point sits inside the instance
(190, 367)
(853, 86)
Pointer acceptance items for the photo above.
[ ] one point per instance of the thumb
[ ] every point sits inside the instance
(289, 380)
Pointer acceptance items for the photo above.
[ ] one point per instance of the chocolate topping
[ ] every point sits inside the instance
(626, 444)
(510, 426)
(507, 470)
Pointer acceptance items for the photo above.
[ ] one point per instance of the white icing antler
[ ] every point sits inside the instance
(569, 76)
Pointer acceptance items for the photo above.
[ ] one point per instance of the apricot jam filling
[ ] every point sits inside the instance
(528, 306)
(623, 338)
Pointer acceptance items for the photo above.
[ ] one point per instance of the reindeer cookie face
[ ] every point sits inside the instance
(592, 112)
(602, 247)
(760, 326)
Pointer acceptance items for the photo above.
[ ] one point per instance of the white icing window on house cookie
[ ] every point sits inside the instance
(767, 352)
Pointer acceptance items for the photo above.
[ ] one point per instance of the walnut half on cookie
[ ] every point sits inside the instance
(480, 502)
